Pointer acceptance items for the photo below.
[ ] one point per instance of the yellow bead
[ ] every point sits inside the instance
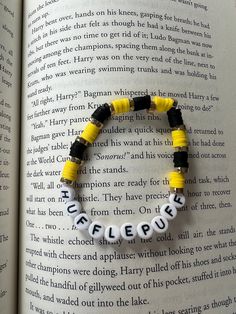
(90, 132)
(177, 180)
(179, 138)
(162, 104)
(121, 105)
(69, 171)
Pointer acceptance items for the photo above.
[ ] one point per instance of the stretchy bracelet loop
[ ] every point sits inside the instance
(168, 211)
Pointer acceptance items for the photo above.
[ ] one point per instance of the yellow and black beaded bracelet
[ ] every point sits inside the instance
(168, 211)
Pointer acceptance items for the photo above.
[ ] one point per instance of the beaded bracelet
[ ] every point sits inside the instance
(168, 211)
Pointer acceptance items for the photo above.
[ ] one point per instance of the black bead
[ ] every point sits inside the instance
(141, 103)
(174, 117)
(77, 149)
(102, 113)
(180, 159)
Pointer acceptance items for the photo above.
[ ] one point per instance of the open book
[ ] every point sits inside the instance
(63, 59)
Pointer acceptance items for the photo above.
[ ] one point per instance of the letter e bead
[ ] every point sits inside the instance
(128, 231)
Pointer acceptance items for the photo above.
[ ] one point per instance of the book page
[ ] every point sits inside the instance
(79, 55)
(10, 25)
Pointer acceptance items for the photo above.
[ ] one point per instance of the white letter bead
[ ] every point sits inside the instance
(168, 211)
(96, 230)
(112, 233)
(67, 193)
(178, 200)
(144, 230)
(159, 224)
(128, 231)
(73, 208)
(82, 221)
